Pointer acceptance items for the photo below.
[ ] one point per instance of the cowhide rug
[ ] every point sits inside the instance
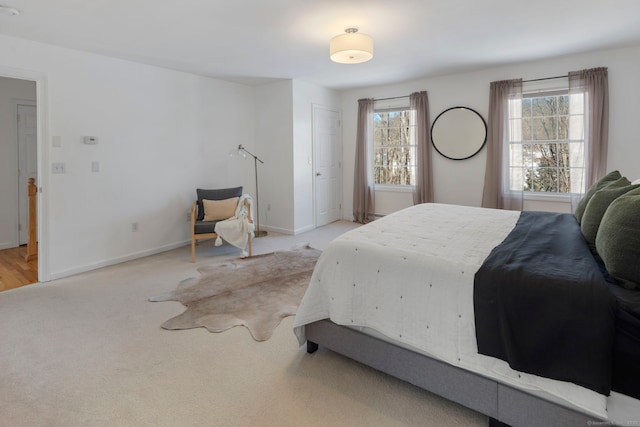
(257, 292)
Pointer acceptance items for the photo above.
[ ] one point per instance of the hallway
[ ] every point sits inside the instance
(14, 270)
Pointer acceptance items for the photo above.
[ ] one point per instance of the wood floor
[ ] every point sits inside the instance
(14, 270)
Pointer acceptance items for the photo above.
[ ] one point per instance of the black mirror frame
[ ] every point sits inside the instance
(461, 158)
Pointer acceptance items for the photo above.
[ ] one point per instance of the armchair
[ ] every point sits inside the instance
(203, 227)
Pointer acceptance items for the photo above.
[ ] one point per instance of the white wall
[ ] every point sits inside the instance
(460, 182)
(162, 134)
(274, 145)
(284, 140)
(305, 95)
(11, 91)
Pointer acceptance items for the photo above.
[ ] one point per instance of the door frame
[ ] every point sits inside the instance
(315, 107)
(42, 135)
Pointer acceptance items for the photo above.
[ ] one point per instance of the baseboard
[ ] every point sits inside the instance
(287, 230)
(304, 229)
(278, 230)
(7, 245)
(117, 260)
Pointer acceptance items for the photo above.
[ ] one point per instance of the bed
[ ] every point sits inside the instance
(399, 295)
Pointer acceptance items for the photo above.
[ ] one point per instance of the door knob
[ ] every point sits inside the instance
(318, 174)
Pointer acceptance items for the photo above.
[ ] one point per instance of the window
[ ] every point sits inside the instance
(546, 143)
(394, 147)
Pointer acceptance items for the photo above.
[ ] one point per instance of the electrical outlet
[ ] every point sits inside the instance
(134, 226)
(188, 216)
(269, 207)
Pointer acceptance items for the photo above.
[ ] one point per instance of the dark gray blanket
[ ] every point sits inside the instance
(542, 304)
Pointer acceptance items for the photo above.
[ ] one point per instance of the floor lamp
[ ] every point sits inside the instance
(243, 152)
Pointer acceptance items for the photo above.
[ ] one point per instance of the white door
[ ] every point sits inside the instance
(327, 141)
(27, 163)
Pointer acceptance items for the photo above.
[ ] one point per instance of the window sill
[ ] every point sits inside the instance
(556, 198)
(394, 188)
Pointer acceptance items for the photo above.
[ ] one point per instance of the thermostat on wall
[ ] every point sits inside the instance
(92, 140)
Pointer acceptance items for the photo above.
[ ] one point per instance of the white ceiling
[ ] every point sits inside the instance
(254, 41)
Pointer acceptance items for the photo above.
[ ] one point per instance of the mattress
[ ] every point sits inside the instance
(409, 276)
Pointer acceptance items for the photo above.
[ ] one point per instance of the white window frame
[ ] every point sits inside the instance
(575, 133)
(413, 144)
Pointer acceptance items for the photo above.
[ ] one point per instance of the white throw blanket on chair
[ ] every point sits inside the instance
(236, 229)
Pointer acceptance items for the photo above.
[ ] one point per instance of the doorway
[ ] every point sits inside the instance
(327, 145)
(19, 154)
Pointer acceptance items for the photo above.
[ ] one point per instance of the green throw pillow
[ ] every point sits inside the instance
(598, 205)
(618, 239)
(599, 184)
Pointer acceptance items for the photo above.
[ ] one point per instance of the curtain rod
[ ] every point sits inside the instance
(544, 78)
(392, 97)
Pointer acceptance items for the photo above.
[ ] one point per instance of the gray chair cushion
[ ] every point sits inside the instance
(221, 194)
(618, 239)
(599, 184)
(204, 227)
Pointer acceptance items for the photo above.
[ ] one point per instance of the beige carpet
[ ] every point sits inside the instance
(256, 292)
(89, 351)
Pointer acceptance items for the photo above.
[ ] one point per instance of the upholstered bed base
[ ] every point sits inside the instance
(498, 401)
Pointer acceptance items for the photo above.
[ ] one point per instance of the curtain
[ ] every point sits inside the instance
(423, 189)
(593, 83)
(363, 183)
(497, 192)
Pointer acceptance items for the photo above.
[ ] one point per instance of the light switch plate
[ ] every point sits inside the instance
(58, 168)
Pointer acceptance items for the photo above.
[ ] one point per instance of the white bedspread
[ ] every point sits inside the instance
(410, 277)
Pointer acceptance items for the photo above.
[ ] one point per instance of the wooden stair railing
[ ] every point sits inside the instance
(32, 244)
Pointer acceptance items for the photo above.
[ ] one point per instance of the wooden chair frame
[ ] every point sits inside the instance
(195, 237)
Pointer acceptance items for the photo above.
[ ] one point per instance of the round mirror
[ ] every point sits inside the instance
(458, 133)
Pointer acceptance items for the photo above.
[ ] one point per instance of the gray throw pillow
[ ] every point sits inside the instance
(598, 205)
(618, 239)
(599, 184)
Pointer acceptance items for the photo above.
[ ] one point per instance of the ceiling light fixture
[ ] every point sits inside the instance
(8, 10)
(351, 47)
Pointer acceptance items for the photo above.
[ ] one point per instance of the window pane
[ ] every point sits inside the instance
(563, 127)
(545, 179)
(380, 120)
(526, 129)
(576, 103)
(380, 175)
(544, 106)
(577, 180)
(544, 128)
(516, 155)
(379, 136)
(576, 128)
(564, 180)
(393, 136)
(527, 154)
(576, 154)
(515, 177)
(526, 107)
(544, 155)
(563, 155)
(563, 104)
